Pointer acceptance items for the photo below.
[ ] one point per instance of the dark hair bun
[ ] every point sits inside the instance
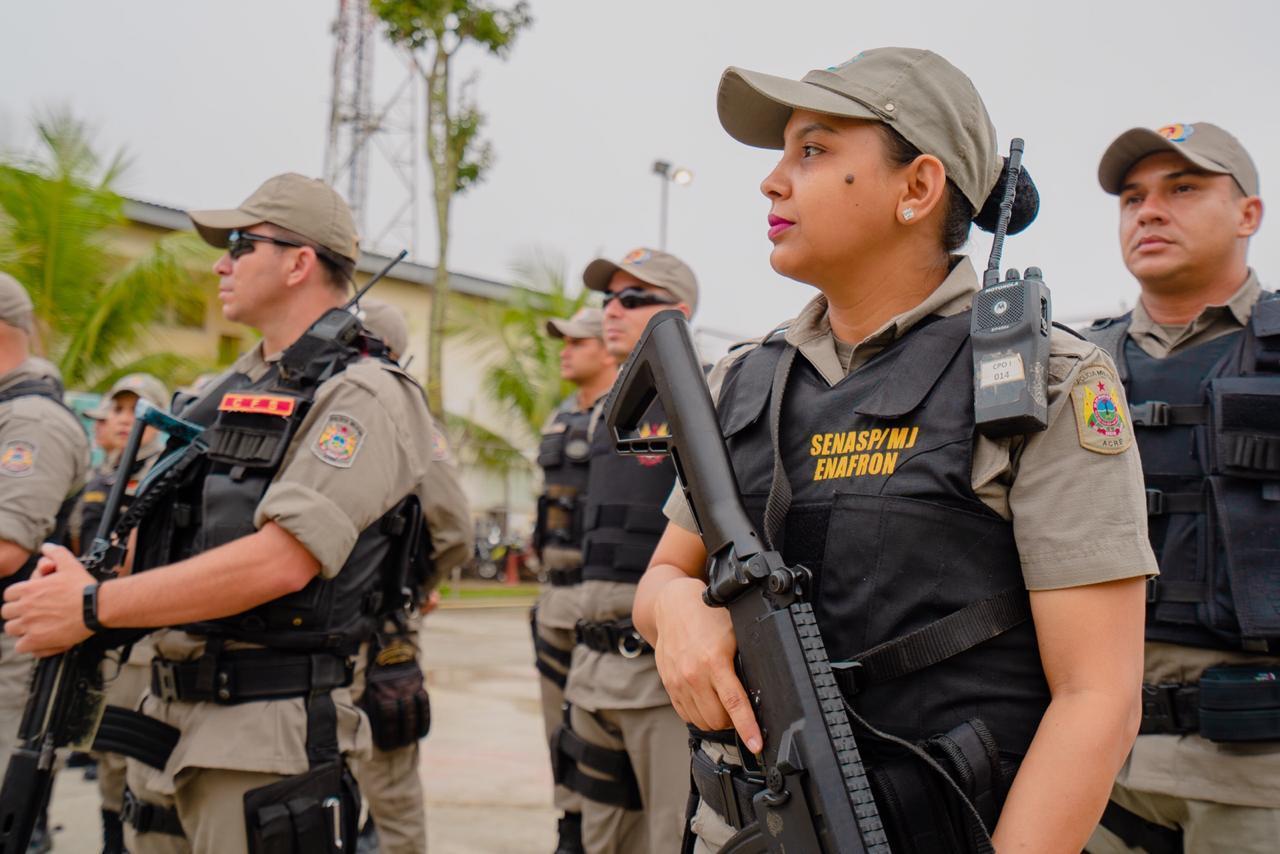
(1026, 204)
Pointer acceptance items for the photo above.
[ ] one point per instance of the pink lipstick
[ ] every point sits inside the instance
(777, 225)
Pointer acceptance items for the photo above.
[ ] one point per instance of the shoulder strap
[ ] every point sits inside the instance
(46, 387)
(1109, 334)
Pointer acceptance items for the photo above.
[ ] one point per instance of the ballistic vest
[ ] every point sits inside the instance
(563, 455)
(1207, 421)
(884, 515)
(249, 427)
(623, 520)
(49, 389)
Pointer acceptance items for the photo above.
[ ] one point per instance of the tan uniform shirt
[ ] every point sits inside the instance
(324, 499)
(1078, 510)
(44, 458)
(1189, 766)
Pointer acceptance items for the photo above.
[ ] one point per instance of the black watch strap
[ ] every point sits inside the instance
(90, 607)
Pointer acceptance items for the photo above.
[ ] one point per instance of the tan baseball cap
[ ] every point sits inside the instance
(304, 205)
(146, 386)
(1207, 146)
(650, 266)
(15, 303)
(586, 323)
(926, 99)
(387, 322)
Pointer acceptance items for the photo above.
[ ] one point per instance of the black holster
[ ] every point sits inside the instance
(395, 695)
(316, 812)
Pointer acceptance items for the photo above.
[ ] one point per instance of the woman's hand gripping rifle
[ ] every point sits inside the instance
(817, 797)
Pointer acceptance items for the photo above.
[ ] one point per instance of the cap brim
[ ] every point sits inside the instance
(600, 272)
(215, 226)
(754, 107)
(1137, 143)
(558, 328)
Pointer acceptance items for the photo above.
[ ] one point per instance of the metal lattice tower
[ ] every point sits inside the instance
(359, 123)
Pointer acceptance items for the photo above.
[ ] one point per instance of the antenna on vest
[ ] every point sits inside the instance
(355, 300)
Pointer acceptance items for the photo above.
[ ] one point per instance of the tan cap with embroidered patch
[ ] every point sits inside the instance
(651, 266)
(586, 323)
(1205, 145)
(16, 308)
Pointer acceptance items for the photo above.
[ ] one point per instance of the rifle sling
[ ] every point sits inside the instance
(955, 633)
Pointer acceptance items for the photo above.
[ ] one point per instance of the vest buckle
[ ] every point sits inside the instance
(1155, 502)
(1153, 413)
(164, 679)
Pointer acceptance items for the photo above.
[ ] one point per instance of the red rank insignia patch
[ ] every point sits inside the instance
(259, 404)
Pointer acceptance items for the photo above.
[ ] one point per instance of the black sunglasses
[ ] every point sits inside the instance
(240, 243)
(635, 297)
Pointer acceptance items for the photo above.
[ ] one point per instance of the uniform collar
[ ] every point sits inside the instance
(1238, 307)
(810, 332)
(33, 368)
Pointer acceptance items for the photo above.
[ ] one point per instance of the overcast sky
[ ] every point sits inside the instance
(211, 98)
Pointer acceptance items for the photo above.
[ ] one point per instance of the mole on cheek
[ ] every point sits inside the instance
(848, 179)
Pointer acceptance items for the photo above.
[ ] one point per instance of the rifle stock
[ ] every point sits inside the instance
(817, 797)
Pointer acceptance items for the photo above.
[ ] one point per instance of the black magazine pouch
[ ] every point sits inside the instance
(1244, 520)
(312, 813)
(395, 693)
(1240, 704)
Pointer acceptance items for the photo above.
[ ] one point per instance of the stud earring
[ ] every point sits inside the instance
(908, 214)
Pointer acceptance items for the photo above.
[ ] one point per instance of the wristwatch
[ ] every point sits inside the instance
(90, 608)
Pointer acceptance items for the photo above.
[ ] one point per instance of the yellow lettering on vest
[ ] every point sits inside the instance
(915, 431)
(861, 468)
(876, 465)
(815, 445)
(898, 437)
(819, 471)
(890, 463)
(878, 437)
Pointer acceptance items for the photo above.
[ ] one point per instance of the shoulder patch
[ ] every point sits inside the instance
(339, 440)
(439, 446)
(18, 458)
(1103, 426)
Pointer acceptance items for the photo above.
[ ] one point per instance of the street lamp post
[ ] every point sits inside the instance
(668, 175)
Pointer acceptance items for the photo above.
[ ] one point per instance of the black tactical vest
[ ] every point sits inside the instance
(563, 455)
(623, 520)
(884, 515)
(49, 389)
(249, 427)
(1207, 421)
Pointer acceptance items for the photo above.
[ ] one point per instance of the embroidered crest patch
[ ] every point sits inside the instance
(17, 458)
(439, 446)
(652, 431)
(339, 441)
(1103, 426)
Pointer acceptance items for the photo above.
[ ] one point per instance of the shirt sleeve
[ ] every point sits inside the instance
(1077, 498)
(445, 506)
(43, 458)
(357, 453)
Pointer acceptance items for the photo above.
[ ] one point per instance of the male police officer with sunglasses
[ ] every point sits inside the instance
(269, 562)
(622, 747)
(1200, 360)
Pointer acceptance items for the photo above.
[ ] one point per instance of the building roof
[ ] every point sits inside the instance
(175, 219)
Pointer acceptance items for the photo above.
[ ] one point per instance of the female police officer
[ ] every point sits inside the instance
(904, 512)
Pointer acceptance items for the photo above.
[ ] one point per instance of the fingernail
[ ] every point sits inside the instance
(753, 744)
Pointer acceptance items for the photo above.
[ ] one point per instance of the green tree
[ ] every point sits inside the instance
(434, 31)
(92, 310)
(524, 376)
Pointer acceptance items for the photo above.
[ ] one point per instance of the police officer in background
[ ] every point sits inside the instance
(563, 455)
(1200, 359)
(272, 558)
(623, 748)
(125, 680)
(44, 458)
(389, 779)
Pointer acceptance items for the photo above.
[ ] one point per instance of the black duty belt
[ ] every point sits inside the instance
(1229, 704)
(614, 636)
(149, 818)
(246, 675)
(565, 577)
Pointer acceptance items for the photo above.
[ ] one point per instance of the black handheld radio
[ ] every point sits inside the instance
(1010, 333)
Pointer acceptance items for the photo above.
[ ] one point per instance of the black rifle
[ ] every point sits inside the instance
(817, 797)
(66, 701)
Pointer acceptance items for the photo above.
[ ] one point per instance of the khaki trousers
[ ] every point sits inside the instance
(210, 804)
(1206, 825)
(657, 743)
(390, 784)
(565, 800)
(15, 677)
